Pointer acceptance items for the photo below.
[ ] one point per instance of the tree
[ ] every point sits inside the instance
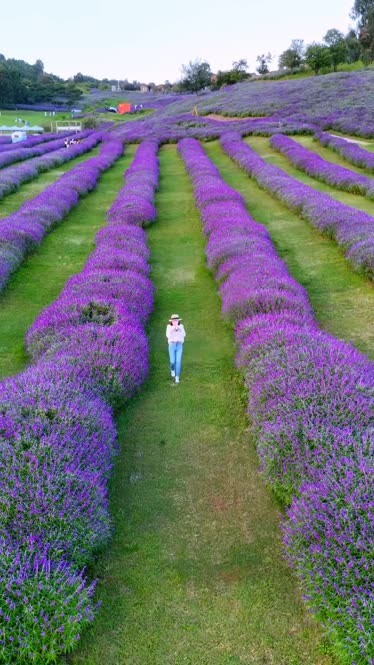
(293, 56)
(363, 11)
(263, 61)
(73, 94)
(240, 66)
(196, 76)
(298, 46)
(317, 56)
(39, 68)
(353, 46)
(289, 59)
(89, 123)
(337, 47)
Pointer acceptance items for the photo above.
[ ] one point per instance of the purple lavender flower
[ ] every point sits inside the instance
(346, 225)
(310, 402)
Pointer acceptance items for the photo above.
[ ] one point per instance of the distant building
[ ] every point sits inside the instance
(144, 87)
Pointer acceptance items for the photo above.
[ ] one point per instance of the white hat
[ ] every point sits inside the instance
(175, 316)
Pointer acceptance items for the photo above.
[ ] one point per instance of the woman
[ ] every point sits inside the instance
(175, 334)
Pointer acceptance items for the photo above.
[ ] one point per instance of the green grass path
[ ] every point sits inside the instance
(262, 146)
(342, 300)
(331, 156)
(42, 276)
(194, 574)
(28, 190)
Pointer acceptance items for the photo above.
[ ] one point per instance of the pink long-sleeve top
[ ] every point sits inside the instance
(175, 334)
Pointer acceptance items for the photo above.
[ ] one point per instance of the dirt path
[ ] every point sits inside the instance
(225, 118)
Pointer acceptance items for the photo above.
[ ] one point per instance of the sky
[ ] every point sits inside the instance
(148, 40)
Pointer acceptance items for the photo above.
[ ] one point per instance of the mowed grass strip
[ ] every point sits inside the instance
(12, 202)
(62, 253)
(342, 300)
(262, 146)
(194, 574)
(331, 156)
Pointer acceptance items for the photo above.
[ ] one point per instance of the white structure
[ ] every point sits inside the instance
(19, 136)
(66, 126)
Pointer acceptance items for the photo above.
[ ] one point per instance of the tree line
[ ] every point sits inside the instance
(335, 49)
(22, 83)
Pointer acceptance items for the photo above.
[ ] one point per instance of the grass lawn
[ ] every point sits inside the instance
(262, 146)
(331, 156)
(62, 253)
(28, 190)
(194, 574)
(8, 118)
(342, 300)
(119, 118)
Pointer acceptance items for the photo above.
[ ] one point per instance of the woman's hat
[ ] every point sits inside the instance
(175, 316)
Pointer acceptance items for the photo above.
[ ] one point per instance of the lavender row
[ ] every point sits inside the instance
(22, 231)
(352, 152)
(58, 437)
(310, 405)
(352, 229)
(136, 197)
(19, 154)
(317, 167)
(12, 177)
(172, 129)
(342, 101)
(32, 141)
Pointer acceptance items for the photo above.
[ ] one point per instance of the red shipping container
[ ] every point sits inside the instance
(124, 108)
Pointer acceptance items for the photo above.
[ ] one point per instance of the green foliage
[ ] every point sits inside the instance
(317, 56)
(235, 75)
(337, 47)
(363, 11)
(292, 58)
(289, 59)
(353, 47)
(22, 83)
(89, 123)
(196, 76)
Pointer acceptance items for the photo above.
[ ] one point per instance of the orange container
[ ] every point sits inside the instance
(124, 108)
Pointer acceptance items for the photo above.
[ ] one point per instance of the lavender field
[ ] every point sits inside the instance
(230, 518)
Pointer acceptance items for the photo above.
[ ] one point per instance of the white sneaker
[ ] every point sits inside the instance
(172, 374)
(177, 379)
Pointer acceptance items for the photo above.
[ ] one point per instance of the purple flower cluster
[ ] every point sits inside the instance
(342, 101)
(23, 230)
(135, 200)
(352, 229)
(58, 437)
(32, 141)
(12, 177)
(20, 154)
(25, 623)
(352, 152)
(310, 405)
(317, 167)
(173, 128)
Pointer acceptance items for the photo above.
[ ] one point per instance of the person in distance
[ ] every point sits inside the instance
(175, 334)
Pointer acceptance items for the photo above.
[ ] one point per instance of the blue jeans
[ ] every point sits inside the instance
(175, 357)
